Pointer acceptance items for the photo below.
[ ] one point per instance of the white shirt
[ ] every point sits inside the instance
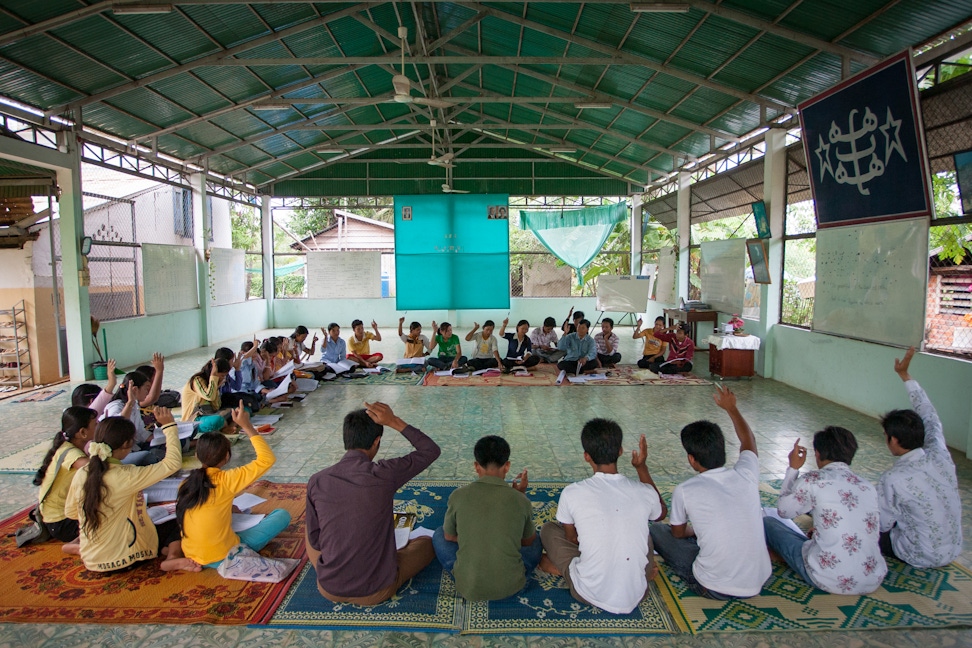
(541, 340)
(483, 349)
(115, 407)
(843, 556)
(611, 514)
(724, 508)
(919, 496)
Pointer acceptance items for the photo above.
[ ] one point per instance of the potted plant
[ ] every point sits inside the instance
(737, 324)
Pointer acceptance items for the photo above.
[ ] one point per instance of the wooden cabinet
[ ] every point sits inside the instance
(731, 363)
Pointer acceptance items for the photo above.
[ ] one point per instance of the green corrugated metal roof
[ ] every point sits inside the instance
(692, 75)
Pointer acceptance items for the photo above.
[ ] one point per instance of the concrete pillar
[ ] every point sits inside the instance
(77, 308)
(636, 234)
(266, 226)
(774, 196)
(683, 223)
(202, 230)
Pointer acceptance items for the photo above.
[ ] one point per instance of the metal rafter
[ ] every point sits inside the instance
(210, 58)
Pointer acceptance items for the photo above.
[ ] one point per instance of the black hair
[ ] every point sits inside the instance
(584, 322)
(269, 346)
(609, 321)
(835, 443)
(492, 450)
(704, 441)
(133, 378)
(683, 327)
(332, 326)
(116, 432)
(906, 426)
(444, 325)
(83, 395)
(578, 315)
(489, 323)
(659, 319)
(225, 353)
(211, 449)
(413, 326)
(73, 420)
(299, 330)
(360, 431)
(522, 322)
(356, 322)
(222, 366)
(147, 370)
(601, 440)
(549, 321)
(246, 346)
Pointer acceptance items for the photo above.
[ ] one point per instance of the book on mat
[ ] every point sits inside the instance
(161, 513)
(285, 370)
(410, 361)
(247, 501)
(281, 388)
(166, 490)
(185, 431)
(342, 366)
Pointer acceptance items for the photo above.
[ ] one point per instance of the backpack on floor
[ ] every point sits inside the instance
(169, 398)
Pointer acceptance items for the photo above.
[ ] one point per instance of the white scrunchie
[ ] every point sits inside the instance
(101, 450)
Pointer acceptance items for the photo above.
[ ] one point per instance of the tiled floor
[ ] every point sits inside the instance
(543, 427)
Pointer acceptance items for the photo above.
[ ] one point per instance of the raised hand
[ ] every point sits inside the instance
(374, 325)
(901, 366)
(382, 414)
(163, 416)
(724, 398)
(242, 418)
(401, 320)
(797, 456)
(112, 379)
(132, 393)
(639, 456)
(521, 482)
(158, 362)
(640, 322)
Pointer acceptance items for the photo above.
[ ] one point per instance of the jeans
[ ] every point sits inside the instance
(443, 363)
(645, 363)
(788, 544)
(446, 551)
(259, 536)
(679, 555)
(674, 368)
(612, 359)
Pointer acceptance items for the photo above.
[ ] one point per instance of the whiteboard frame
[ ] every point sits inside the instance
(342, 259)
(152, 277)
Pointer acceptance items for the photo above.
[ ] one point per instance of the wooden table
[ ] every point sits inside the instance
(692, 318)
(732, 357)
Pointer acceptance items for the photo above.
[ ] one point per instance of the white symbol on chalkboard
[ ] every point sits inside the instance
(406, 213)
(856, 146)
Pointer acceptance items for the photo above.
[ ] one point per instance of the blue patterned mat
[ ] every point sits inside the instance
(429, 601)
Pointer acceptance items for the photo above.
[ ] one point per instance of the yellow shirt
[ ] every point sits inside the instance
(361, 347)
(126, 534)
(56, 484)
(196, 394)
(653, 346)
(207, 532)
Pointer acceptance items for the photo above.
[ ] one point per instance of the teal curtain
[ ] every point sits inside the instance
(575, 236)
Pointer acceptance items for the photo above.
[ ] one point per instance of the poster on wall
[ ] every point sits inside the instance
(865, 147)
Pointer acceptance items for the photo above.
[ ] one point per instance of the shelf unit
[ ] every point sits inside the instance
(14, 347)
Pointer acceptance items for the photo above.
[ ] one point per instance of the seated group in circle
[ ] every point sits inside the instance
(607, 526)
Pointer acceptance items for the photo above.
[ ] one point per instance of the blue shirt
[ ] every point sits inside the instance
(334, 351)
(577, 348)
(248, 376)
(518, 349)
(233, 383)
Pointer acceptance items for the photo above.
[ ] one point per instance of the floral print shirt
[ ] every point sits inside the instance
(919, 495)
(843, 556)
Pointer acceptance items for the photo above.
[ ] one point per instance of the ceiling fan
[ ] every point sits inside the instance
(444, 160)
(403, 85)
(447, 187)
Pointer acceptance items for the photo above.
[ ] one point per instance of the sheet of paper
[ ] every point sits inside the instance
(310, 366)
(577, 379)
(166, 490)
(285, 370)
(265, 419)
(494, 371)
(410, 361)
(306, 384)
(281, 389)
(185, 431)
(372, 370)
(596, 376)
(447, 372)
(561, 376)
(244, 521)
(246, 501)
(421, 532)
(160, 514)
(341, 367)
(770, 512)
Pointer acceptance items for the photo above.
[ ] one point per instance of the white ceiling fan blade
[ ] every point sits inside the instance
(432, 103)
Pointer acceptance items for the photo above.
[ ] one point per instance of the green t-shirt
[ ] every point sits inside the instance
(447, 348)
(490, 518)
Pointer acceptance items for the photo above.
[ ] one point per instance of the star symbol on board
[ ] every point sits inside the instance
(890, 146)
(823, 154)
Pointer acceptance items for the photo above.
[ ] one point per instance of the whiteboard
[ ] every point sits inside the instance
(871, 281)
(344, 275)
(169, 278)
(623, 293)
(228, 270)
(723, 274)
(665, 286)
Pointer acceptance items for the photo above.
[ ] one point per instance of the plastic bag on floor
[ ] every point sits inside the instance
(242, 563)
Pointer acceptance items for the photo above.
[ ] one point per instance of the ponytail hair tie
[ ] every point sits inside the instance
(101, 450)
(64, 435)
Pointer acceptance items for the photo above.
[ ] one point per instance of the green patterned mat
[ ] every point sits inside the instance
(25, 461)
